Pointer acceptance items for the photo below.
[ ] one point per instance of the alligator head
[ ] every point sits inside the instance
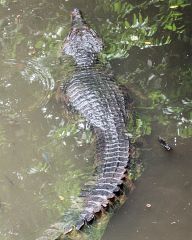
(82, 43)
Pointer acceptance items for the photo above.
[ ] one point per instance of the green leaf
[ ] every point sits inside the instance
(39, 44)
(127, 24)
(168, 27)
(174, 28)
(134, 19)
(140, 18)
(117, 6)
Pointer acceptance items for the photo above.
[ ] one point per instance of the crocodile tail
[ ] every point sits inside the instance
(113, 153)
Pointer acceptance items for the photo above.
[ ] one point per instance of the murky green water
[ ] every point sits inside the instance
(46, 154)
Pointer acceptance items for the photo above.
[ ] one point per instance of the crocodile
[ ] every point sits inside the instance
(97, 98)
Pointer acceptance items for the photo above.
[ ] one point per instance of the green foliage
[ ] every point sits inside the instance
(138, 126)
(77, 130)
(49, 41)
(14, 37)
(134, 27)
(136, 169)
(66, 189)
(157, 97)
(168, 106)
(185, 131)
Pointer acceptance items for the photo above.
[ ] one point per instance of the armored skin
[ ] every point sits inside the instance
(95, 95)
(97, 98)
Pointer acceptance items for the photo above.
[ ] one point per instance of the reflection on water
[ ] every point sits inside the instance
(45, 155)
(31, 79)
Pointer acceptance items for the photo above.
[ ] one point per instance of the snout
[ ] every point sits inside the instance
(76, 13)
(76, 18)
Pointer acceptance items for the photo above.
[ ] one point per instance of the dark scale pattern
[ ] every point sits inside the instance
(96, 97)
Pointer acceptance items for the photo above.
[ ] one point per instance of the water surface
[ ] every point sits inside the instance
(46, 154)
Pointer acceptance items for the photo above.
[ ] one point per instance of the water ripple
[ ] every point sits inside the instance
(25, 85)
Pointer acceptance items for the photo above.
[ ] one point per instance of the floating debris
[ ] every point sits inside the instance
(164, 144)
(148, 205)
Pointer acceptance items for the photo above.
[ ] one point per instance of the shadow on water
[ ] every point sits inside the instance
(46, 154)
